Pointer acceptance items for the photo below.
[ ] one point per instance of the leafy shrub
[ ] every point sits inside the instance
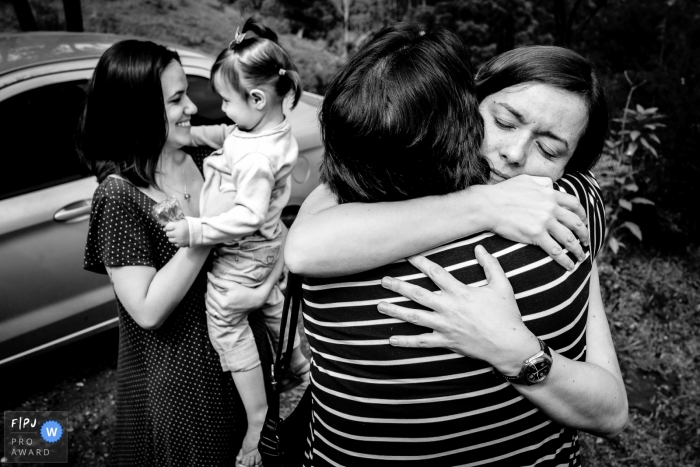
(628, 150)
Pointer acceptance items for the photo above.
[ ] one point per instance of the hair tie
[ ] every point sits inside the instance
(237, 39)
(282, 72)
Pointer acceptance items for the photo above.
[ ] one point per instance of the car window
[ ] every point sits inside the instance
(38, 128)
(208, 103)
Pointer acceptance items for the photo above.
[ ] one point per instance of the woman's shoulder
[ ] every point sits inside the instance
(117, 194)
(584, 186)
(113, 187)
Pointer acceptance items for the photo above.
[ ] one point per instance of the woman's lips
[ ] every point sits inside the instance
(500, 174)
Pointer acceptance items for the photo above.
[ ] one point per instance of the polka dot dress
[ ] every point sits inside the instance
(174, 404)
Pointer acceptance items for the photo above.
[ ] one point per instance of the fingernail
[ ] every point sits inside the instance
(556, 250)
(393, 341)
(386, 282)
(382, 307)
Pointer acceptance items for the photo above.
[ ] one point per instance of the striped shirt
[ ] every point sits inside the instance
(374, 404)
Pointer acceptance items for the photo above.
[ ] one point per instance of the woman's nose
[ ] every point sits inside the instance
(190, 107)
(514, 150)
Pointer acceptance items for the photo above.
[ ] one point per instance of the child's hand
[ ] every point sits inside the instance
(178, 233)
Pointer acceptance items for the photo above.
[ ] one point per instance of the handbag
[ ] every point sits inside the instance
(282, 442)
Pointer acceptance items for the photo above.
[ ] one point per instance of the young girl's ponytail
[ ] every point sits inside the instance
(256, 59)
(259, 30)
(289, 81)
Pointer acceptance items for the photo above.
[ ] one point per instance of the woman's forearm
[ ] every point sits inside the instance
(149, 296)
(580, 395)
(329, 240)
(588, 395)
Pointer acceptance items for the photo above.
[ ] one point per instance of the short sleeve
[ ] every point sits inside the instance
(117, 235)
(584, 186)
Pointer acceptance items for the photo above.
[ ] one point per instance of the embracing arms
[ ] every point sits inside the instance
(588, 395)
(328, 239)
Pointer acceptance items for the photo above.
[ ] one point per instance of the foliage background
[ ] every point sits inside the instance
(651, 286)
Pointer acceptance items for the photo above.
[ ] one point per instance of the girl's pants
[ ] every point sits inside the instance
(247, 264)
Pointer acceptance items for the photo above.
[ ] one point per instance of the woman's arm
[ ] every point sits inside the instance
(328, 239)
(586, 395)
(149, 296)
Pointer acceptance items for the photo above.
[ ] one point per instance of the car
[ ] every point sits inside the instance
(46, 298)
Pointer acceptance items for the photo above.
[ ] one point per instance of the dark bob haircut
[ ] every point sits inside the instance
(400, 120)
(563, 69)
(123, 126)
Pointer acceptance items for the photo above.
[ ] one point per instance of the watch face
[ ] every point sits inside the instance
(538, 369)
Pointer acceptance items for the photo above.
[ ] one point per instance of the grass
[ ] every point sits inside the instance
(653, 305)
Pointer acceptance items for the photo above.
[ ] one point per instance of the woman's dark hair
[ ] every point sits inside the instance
(123, 126)
(563, 69)
(400, 120)
(256, 60)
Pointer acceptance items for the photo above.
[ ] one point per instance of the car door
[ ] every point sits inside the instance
(46, 298)
(45, 196)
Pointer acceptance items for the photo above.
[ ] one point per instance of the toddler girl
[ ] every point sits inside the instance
(247, 184)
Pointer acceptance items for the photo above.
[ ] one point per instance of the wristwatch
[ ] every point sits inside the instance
(535, 369)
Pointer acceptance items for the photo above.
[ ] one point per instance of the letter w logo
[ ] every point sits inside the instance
(52, 431)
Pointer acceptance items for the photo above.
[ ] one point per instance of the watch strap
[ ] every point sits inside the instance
(520, 377)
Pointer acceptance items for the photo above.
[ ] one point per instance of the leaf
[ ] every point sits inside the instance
(640, 109)
(634, 228)
(652, 110)
(654, 137)
(613, 244)
(639, 200)
(634, 135)
(651, 149)
(632, 149)
(625, 204)
(631, 187)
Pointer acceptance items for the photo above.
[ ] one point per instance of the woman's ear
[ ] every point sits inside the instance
(259, 98)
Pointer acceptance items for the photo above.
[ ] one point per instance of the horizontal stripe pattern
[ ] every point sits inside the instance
(374, 404)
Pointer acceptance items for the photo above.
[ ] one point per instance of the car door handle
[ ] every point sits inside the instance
(74, 212)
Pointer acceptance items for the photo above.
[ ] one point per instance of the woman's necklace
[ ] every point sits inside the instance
(184, 193)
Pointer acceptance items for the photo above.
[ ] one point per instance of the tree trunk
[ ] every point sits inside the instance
(561, 23)
(74, 15)
(346, 26)
(506, 36)
(24, 15)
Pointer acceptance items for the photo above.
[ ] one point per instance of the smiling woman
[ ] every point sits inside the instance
(132, 131)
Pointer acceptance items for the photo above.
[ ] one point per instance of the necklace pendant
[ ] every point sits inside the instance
(187, 197)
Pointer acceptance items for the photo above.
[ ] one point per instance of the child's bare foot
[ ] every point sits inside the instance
(249, 456)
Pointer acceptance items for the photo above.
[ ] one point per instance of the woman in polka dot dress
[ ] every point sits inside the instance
(174, 404)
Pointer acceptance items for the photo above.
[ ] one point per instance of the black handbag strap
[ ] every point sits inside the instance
(284, 354)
